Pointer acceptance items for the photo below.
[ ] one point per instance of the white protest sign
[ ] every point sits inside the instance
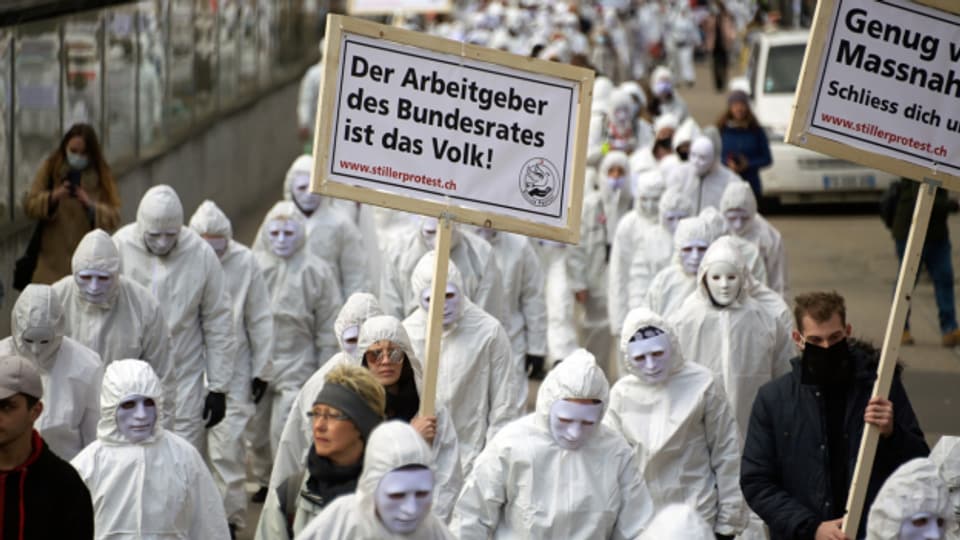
(371, 7)
(881, 85)
(435, 125)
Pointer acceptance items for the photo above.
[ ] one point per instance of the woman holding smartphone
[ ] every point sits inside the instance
(73, 193)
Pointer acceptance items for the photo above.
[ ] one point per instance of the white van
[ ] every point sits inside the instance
(798, 175)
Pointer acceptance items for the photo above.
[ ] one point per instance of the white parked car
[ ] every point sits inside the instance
(797, 174)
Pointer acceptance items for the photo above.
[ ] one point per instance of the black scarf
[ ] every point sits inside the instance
(405, 404)
(328, 481)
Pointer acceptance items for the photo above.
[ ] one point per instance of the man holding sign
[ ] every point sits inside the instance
(805, 428)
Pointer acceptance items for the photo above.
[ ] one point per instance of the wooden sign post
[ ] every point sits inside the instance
(446, 129)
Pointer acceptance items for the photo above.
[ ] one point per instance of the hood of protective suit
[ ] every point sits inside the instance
(913, 488)
(210, 220)
(97, 252)
(121, 379)
(285, 210)
(679, 522)
(739, 195)
(355, 311)
(666, 120)
(674, 201)
(621, 100)
(714, 222)
(38, 307)
(160, 210)
(392, 445)
(302, 165)
(649, 185)
(659, 74)
(690, 229)
(718, 253)
(946, 454)
(614, 159)
(641, 318)
(685, 133)
(578, 377)
(422, 276)
(423, 221)
(387, 327)
(636, 92)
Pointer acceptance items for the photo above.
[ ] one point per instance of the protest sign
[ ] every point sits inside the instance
(881, 86)
(388, 7)
(431, 126)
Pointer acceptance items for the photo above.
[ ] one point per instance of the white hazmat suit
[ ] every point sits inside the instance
(189, 284)
(740, 204)
(682, 431)
(672, 285)
(914, 489)
(946, 454)
(69, 371)
(679, 522)
(253, 328)
(524, 485)
(355, 517)
(156, 488)
(702, 178)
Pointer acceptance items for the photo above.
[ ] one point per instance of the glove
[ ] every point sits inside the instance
(259, 388)
(723, 536)
(534, 365)
(214, 408)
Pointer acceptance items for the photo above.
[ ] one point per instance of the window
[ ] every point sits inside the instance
(120, 85)
(783, 68)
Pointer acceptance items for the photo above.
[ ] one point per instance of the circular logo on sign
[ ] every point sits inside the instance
(539, 182)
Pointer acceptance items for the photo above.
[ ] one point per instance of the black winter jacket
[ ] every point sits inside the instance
(785, 472)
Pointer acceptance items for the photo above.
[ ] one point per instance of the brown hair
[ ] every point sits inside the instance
(91, 143)
(750, 121)
(820, 306)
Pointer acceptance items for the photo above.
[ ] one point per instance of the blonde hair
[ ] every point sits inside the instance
(359, 381)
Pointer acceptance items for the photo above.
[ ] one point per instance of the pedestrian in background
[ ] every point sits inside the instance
(745, 149)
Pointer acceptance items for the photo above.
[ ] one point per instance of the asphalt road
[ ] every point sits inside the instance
(846, 249)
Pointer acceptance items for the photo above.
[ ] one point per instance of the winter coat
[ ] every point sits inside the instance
(753, 144)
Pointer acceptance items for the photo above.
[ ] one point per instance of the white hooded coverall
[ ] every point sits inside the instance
(946, 454)
(759, 231)
(525, 486)
(158, 488)
(253, 327)
(915, 487)
(478, 381)
(682, 431)
(679, 522)
(672, 285)
(69, 371)
(738, 342)
(130, 324)
(706, 190)
(188, 283)
(392, 445)
(305, 300)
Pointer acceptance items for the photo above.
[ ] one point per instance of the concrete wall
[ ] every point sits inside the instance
(239, 163)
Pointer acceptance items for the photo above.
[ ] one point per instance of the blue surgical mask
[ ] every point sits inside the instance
(77, 162)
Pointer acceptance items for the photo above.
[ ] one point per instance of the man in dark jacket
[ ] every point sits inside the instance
(805, 428)
(41, 496)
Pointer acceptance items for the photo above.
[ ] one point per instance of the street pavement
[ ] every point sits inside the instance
(828, 248)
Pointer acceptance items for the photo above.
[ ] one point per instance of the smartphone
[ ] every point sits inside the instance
(74, 178)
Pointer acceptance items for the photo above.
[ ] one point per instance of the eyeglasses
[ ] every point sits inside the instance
(393, 356)
(315, 415)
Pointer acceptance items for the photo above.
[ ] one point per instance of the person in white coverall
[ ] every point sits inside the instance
(676, 418)
(69, 371)
(750, 254)
(913, 504)
(184, 274)
(145, 481)
(253, 327)
(296, 437)
(307, 98)
(393, 497)
(702, 178)
(739, 207)
(113, 315)
(946, 454)
(557, 472)
(337, 241)
(672, 285)
(524, 297)
(621, 122)
(630, 231)
(654, 250)
(478, 381)
(643, 129)
(684, 37)
(661, 83)
(304, 300)
(482, 282)
(680, 522)
(722, 328)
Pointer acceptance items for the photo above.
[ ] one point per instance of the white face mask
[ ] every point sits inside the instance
(403, 498)
(691, 255)
(94, 285)
(955, 500)
(723, 282)
(702, 156)
(571, 424)
(136, 417)
(486, 233)
(671, 219)
(218, 243)
(284, 234)
(737, 220)
(160, 242)
(40, 342)
(662, 87)
(451, 304)
(651, 357)
(649, 206)
(350, 336)
(921, 526)
(306, 200)
(616, 182)
(428, 230)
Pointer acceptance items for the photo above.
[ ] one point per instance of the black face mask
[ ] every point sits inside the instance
(830, 366)
(683, 154)
(663, 143)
